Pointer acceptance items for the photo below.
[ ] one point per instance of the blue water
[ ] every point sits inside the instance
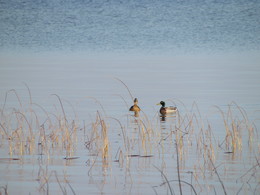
(179, 51)
(173, 27)
(206, 51)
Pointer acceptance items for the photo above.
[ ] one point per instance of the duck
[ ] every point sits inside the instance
(166, 110)
(135, 107)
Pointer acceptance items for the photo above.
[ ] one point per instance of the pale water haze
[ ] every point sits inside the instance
(189, 53)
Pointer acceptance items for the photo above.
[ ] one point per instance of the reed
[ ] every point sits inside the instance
(123, 133)
(26, 133)
(235, 126)
(104, 136)
(125, 87)
(5, 190)
(45, 178)
(221, 182)
(166, 180)
(178, 167)
(98, 141)
(31, 129)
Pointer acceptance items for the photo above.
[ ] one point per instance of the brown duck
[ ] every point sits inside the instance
(135, 107)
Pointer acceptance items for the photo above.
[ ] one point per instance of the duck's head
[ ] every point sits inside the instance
(161, 103)
(135, 101)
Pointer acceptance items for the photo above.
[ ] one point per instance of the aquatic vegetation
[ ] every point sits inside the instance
(4, 190)
(234, 126)
(27, 134)
(185, 149)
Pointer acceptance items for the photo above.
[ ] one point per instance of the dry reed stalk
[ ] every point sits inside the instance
(5, 188)
(98, 102)
(126, 88)
(22, 128)
(221, 182)
(6, 95)
(43, 179)
(253, 170)
(174, 100)
(63, 188)
(61, 105)
(178, 167)
(236, 139)
(231, 132)
(228, 132)
(126, 105)
(249, 125)
(29, 139)
(238, 125)
(10, 144)
(187, 122)
(94, 162)
(46, 113)
(123, 133)
(105, 140)
(43, 142)
(16, 142)
(209, 142)
(166, 180)
(67, 132)
(179, 145)
(22, 137)
(99, 141)
(145, 137)
(189, 184)
(4, 131)
(72, 190)
(121, 158)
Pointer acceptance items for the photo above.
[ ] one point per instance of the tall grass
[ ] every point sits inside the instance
(30, 129)
(28, 133)
(235, 126)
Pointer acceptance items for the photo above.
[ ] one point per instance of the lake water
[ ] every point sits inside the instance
(201, 56)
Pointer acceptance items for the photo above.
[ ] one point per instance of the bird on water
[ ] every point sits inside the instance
(166, 110)
(135, 107)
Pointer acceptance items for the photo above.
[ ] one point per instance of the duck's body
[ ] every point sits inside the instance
(166, 110)
(135, 107)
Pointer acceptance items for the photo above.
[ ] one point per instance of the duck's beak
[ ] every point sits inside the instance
(158, 104)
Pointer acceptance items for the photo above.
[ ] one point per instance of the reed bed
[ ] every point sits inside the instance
(27, 134)
(192, 140)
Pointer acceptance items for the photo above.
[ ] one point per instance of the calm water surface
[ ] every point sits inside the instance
(201, 56)
(85, 83)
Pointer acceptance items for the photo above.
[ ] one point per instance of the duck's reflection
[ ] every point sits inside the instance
(136, 114)
(164, 117)
(135, 117)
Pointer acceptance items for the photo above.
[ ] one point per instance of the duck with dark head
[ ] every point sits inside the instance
(166, 110)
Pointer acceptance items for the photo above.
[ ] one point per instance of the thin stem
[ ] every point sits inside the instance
(167, 181)
(126, 87)
(178, 168)
(221, 182)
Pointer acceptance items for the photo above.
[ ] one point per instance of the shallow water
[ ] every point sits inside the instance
(87, 85)
(201, 56)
